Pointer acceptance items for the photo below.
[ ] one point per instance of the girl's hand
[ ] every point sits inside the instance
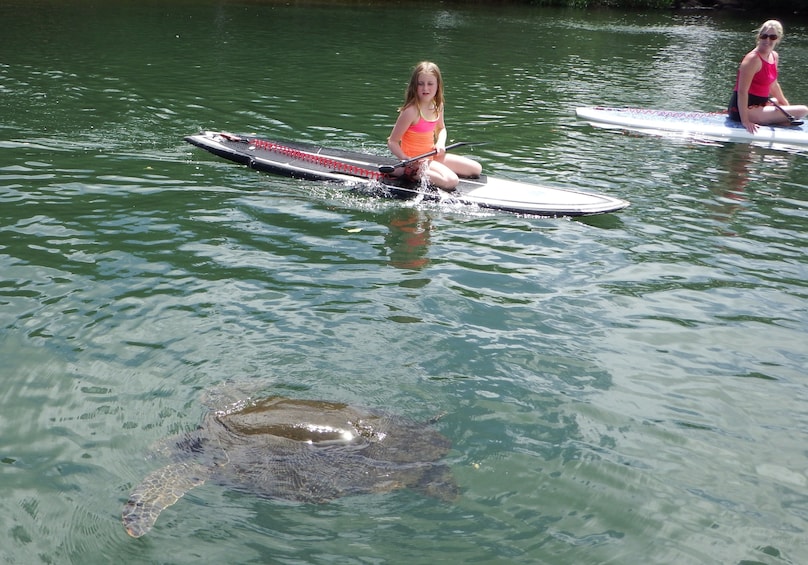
(751, 127)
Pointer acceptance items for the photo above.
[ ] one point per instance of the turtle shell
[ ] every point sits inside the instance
(303, 450)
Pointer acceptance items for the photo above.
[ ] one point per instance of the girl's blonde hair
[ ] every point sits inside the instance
(778, 27)
(411, 94)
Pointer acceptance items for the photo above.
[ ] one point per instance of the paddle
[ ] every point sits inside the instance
(794, 121)
(405, 162)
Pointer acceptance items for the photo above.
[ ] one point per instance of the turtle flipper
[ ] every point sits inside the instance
(158, 491)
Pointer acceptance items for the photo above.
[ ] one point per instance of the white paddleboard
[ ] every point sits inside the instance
(313, 162)
(705, 125)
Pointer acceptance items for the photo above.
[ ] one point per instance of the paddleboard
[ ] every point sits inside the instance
(362, 171)
(707, 125)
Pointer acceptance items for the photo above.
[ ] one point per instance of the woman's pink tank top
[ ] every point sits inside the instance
(763, 79)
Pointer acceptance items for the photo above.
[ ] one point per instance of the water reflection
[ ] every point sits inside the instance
(729, 192)
(746, 172)
(408, 238)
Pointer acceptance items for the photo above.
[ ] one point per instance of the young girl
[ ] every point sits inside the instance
(420, 128)
(757, 81)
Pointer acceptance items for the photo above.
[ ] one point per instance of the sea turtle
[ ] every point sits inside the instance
(303, 450)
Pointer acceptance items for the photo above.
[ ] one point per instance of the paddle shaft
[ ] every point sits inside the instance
(794, 121)
(405, 162)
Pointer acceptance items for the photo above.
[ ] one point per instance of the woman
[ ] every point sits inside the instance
(420, 129)
(757, 82)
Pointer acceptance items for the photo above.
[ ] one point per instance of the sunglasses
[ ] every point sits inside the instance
(772, 36)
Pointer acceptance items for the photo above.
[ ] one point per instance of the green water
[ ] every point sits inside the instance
(621, 389)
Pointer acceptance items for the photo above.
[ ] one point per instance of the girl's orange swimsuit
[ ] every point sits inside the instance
(419, 138)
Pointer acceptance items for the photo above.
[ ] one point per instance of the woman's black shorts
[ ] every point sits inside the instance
(754, 100)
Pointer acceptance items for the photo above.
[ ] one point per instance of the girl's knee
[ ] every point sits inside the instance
(469, 168)
(447, 181)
